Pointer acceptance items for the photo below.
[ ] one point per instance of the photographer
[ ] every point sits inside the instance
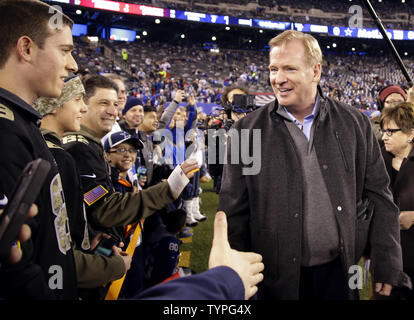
(236, 102)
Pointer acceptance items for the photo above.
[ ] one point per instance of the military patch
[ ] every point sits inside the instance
(73, 138)
(82, 139)
(6, 113)
(94, 195)
(69, 139)
(51, 145)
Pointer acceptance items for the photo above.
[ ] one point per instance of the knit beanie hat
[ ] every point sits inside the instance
(73, 87)
(384, 93)
(131, 102)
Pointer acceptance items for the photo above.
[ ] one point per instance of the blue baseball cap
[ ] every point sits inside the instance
(119, 137)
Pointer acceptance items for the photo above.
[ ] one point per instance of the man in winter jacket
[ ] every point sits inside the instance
(316, 198)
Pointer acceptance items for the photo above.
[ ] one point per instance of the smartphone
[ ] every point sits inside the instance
(23, 196)
(104, 246)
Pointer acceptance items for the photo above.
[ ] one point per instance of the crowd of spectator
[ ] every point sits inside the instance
(298, 11)
(155, 71)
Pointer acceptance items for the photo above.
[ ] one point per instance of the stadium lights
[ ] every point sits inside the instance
(157, 21)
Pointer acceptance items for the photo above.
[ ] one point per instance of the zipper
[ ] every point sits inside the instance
(342, 151)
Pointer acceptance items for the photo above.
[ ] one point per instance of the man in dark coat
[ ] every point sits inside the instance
(318, 198)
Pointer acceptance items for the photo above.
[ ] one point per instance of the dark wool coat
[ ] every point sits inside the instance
(265, 211)
(403, 191)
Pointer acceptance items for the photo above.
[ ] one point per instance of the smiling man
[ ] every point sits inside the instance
(321, 199)
(106, 208)
(133, 114)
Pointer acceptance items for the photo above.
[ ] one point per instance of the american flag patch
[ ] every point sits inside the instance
(94, 195)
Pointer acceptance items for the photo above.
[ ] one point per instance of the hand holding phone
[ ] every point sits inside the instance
(23, 196)
(24, 235)
(105, 245)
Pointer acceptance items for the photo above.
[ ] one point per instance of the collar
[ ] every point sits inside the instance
(281, 110)
(278, 112)
(51, 135)
(88, 133)
(21, 104)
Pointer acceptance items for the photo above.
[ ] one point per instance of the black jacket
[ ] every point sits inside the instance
(71, 188)
(47, 269)
(92, 270)
(110, 208)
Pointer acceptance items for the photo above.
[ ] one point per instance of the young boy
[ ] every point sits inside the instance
(121, 151)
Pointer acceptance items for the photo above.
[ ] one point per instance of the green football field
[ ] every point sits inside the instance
(195, 250)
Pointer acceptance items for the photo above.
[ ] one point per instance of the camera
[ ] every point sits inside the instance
(243, 102)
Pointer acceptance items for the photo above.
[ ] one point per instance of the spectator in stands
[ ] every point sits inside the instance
(34, 59)
(133, 114)
(179, 123)
(121, 149)
(297, 210)
(124, 54)
(233, 114)
(146, 128)
(122, 92)
(388, 97)
(164, 247)
(397, 126)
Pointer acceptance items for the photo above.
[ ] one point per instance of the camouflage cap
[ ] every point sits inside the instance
(73, 87)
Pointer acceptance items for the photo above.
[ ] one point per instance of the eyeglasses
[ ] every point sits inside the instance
(389, 132)
(122, 151)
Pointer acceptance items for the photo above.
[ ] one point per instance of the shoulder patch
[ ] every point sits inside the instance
(6, 113)
(51, 145)
(94, 195)
(74, 138)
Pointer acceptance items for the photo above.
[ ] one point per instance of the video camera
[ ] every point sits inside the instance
(242, 103)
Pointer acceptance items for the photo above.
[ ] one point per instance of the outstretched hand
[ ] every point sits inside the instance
(248, 265)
